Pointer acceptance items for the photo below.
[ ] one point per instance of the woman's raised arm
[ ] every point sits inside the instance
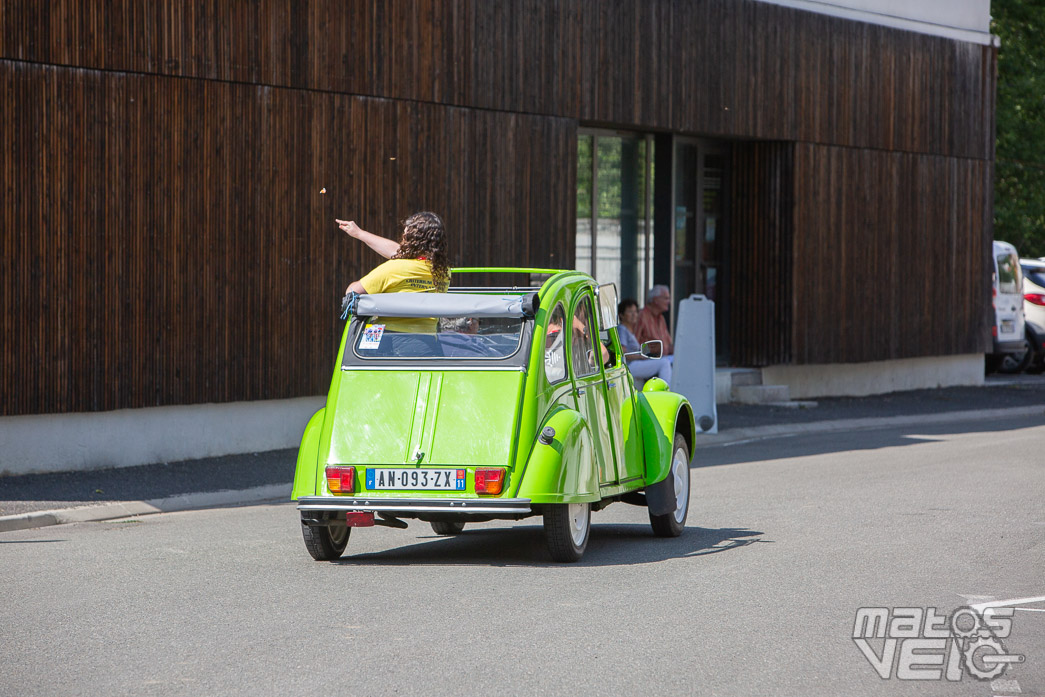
(382, 245)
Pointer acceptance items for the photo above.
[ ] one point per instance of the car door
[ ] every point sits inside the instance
(620, 407)
(590, 384)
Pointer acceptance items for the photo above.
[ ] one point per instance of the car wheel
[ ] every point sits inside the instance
(677, 485)
(1016, 362)
(444, 527)
(566, 530)
(325, 543)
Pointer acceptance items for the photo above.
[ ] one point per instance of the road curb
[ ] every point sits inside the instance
(743, 435)
(125, 509)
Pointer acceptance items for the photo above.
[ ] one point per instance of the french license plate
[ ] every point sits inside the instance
(1008, 326)
(396, 478)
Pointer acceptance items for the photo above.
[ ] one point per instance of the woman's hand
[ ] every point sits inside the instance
(349, 227)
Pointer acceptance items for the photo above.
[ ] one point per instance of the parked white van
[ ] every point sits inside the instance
(1008, 331)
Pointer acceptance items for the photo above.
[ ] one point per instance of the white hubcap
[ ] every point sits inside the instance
(680, 473)
(578, 522)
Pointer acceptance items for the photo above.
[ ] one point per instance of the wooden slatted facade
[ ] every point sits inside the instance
(165, 242)
(731, 68)
(761, 264)
(895, 245)
(169, 242)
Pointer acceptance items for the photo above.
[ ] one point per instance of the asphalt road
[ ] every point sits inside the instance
(787, 539)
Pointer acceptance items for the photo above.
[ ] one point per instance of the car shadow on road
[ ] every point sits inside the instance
(611, 544)
(834, 442)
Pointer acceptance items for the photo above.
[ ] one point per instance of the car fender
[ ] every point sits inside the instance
(308, 458)
(663, 414)
(565, 470)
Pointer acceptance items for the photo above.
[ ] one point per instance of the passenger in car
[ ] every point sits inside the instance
(650, 324)
(640, 366)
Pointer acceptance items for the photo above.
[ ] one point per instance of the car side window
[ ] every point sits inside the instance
(555, 347)
(583, 353)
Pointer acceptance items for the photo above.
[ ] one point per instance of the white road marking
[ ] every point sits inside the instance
(980, 607)
(981, 598)
(1008, 686)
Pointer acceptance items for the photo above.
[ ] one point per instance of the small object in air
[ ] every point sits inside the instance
(323, 190)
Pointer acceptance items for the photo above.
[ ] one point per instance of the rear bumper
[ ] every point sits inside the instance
(411, 506)
(1009, 346)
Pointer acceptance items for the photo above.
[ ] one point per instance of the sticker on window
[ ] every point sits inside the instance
(372, 336)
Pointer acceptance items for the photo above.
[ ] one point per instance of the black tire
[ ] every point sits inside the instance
(676, 488)
(1013, 363)
(447, 527)
(567, 527)
(325, 543)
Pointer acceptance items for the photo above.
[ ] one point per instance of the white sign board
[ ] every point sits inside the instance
(693, 372)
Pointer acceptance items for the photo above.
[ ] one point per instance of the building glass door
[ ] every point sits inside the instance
(699, 230)
(614, 209)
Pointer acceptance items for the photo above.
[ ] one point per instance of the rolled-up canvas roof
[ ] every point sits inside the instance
(446, 305)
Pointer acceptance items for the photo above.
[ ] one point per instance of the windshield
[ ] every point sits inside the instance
(449, 338)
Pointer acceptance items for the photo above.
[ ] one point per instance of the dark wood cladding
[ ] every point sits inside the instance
(733, 68)
(165, 240)
(761, 264)
(891, 255)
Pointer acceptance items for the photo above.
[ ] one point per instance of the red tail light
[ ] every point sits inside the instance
(341, 480)
(489, 480)
(1035, 298)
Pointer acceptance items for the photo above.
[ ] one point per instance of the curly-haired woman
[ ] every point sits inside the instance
(417, 263)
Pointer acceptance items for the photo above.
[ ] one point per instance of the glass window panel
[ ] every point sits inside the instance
(685, 220)
(582, 341)
(616, 201)
(555, 348)
(620, 252)
(1009, 280)
(448, 338)
(584, 203)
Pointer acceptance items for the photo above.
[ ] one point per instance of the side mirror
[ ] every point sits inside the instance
(607, 296)
(652, 349)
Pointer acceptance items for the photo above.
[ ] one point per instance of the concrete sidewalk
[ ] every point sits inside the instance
(48, 499)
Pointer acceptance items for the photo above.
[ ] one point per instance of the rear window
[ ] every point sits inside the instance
(1009, 280)
(447, 338)
(1034, 275)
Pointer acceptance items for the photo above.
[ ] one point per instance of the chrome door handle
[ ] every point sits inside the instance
(580, 391)
(613, 384)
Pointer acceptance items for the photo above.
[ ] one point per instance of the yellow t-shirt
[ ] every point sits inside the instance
(404, 276)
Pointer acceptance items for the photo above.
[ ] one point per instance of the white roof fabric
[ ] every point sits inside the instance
(442, 305)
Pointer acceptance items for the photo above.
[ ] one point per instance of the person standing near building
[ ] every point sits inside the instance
(651, 324)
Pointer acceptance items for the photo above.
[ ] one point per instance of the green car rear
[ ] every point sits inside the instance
(513, 402)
